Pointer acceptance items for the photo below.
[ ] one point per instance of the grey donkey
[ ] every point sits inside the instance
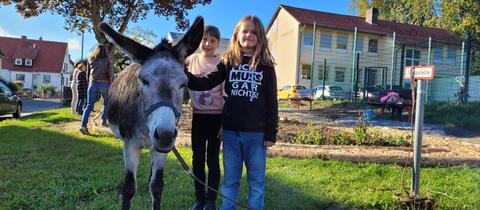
(145, 102)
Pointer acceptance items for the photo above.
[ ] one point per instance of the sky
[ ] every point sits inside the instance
(221, 13)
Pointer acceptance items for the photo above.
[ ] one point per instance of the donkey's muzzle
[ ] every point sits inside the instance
(164, 140)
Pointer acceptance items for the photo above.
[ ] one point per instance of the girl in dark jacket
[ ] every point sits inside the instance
(82, 85)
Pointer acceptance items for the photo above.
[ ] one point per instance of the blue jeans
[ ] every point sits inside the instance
(239, 148)
(94, 89)
(81, 106)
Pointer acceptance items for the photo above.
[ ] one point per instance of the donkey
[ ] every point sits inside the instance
(145, 102)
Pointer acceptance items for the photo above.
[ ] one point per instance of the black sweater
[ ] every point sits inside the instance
(251, 101)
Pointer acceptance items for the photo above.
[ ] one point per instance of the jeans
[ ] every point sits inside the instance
(205, 129)
(81, 105)
(94, 89)
(239, 148)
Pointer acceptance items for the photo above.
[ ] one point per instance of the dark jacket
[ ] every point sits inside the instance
(251, 103)
(82, 84)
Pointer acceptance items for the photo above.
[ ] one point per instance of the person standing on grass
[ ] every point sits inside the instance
(82, 85)
(100, 76)
(206, 121)
(250, 113)
(73, 87)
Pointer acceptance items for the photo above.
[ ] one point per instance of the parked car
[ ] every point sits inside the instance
(9, 102)
(331, 91)
(294, 91)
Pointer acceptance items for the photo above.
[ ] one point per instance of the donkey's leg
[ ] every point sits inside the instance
(156, 179)
(131, 156)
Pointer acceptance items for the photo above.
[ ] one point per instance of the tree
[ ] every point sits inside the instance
(145, 37)
(415, 12)
(84, 15)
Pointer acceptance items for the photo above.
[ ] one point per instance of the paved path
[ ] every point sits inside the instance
(35, 105)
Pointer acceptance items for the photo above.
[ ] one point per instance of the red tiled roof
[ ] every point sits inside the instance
(47, 56)
(405, 33)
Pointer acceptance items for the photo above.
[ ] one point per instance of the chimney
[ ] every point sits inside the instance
(371, 16)
(40, 38)
(24, 37)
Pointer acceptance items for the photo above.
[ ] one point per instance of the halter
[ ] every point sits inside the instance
(159, 104)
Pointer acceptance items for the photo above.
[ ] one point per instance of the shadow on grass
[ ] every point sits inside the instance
(49, 117)
(44, 169)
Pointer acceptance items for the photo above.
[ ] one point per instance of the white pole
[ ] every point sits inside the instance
(418, 136)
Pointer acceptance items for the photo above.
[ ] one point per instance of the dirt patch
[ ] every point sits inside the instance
(436, 150)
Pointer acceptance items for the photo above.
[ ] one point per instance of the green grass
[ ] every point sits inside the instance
(466, 116)
(44, 168)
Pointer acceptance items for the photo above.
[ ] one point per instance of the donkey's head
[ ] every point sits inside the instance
(162, 80)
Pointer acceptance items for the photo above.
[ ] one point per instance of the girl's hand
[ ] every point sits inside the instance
(268, 143)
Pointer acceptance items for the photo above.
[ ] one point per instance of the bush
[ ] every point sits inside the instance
(19, 84)
(362, 135)
(47, 90)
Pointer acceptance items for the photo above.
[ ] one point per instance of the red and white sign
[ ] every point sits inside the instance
(419, 72)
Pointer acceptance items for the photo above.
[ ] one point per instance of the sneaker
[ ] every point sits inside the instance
(84, 131)
(198, 206)
(211, 205)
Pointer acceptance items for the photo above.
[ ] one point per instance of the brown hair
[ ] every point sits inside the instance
(100, 51)
(79, 65)
(261, 55)
(212, 31)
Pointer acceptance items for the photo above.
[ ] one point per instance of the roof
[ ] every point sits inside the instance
(47, 56)
(405, 33)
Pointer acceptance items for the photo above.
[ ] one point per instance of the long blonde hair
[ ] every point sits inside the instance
(261, 55)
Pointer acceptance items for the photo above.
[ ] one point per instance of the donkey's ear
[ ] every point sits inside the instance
(136, 51)
(191, 40)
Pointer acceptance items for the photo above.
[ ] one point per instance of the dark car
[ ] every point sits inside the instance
(9, 102)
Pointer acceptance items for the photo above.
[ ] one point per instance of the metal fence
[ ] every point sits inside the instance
(379, 60)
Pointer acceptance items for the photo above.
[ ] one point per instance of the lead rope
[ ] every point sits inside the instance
(189, 172)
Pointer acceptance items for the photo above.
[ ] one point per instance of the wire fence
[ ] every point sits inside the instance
(379, 60)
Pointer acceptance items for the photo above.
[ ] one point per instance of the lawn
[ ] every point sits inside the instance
(45, 168)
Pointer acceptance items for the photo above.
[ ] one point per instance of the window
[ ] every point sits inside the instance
(46, 78)
(451, 56)
(359, 44)
(320, 72)
(20, 77)
(372, 47)
(4, 89)
(342, 41)
(306, 68)
(18, 61)
(437, 55)
(412, 57)
(340, 74)
(307, 39)
(28, 62)
(325, 41)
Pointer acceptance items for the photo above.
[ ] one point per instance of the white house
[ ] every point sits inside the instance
(35, 62)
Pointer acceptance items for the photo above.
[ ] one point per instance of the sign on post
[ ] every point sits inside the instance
(419, 72)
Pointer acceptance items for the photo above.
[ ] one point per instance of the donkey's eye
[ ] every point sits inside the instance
(183, 85)
(144, 82)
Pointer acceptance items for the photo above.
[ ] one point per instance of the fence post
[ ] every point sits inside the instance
(324, 72)
(353, 61)
(467, 65)
(393, 63)
(428, 63)
(313, 53)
